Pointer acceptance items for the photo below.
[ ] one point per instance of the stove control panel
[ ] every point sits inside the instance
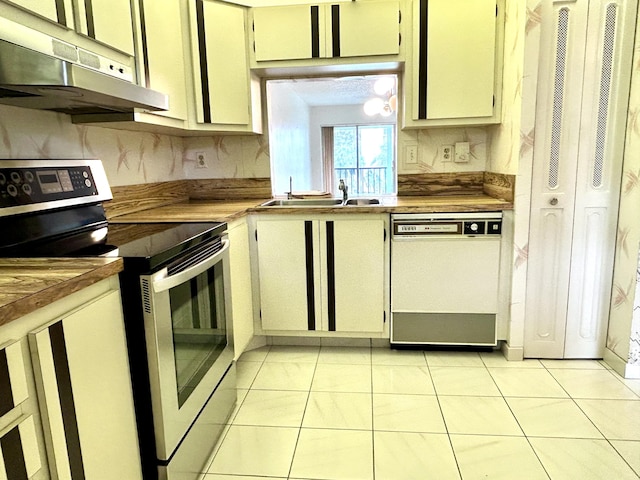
(36, 185)
(23, 186)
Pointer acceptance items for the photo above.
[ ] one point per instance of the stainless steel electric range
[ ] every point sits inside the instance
(176, 301)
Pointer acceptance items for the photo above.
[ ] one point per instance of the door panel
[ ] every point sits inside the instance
(282, 263)
(581, 111)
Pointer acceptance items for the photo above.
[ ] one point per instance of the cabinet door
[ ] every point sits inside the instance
(84, 389)
(355, 275)
(365, 28)
(51, 9)
(288, 263)
(164, 53)
(223, 59)
(454, 64)
(288, 32)
(108, 21)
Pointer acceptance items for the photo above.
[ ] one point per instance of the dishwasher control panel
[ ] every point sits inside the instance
(464, 224)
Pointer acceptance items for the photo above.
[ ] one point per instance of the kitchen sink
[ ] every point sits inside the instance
(304, 202)
(363, 201)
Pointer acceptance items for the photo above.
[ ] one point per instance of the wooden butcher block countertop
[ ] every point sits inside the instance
(27, 284)
(221, 210)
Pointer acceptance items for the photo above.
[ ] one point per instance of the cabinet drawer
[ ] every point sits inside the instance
(13, 377)
(19, 452)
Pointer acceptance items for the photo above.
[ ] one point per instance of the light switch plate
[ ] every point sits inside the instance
(462, 152)
(411, 153)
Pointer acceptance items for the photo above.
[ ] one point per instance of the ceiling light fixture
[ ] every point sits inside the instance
(385, 106)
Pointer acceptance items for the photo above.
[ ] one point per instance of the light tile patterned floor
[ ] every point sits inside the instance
(349, 413)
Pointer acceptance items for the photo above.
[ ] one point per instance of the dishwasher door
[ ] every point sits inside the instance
(444, 289)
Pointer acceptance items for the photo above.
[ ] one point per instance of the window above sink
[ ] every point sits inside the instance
(319, 133)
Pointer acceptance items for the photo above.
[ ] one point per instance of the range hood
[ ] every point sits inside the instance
(34, 79)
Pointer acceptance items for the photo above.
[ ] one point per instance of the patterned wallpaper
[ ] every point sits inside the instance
(624, 323)
(128, 157)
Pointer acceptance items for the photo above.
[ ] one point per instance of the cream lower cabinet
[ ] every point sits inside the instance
(323, 274)
(241, 289)
(81, 372)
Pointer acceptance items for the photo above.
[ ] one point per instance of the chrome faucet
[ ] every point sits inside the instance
(344, 189)
(290, 192)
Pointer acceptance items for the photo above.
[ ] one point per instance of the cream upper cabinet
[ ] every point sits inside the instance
(163, 52)
(227, 97)
(454, 76)
(107, 21)
(346, 29)
(302, 26)
(322, 274)
(53, 10)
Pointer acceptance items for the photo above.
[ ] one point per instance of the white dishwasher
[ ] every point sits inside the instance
(444, 278)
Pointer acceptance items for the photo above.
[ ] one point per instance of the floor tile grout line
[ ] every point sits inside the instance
(444, 421)
(231, 419)
(304, 412)
(373, 425)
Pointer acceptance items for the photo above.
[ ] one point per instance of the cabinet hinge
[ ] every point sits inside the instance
(384, 317)
(384, 234)
(494, 100)
(260, 314)
(256, 234)
(399, 39)
(399, 16)
(496, 9)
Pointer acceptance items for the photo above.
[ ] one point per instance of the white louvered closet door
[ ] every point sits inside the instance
(580, 121)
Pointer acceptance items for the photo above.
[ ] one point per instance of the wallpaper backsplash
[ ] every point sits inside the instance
(128, 157)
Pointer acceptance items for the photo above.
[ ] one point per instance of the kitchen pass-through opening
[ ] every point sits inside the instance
(322, 130)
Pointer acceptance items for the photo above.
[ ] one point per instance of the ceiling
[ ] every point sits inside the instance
(331, 91)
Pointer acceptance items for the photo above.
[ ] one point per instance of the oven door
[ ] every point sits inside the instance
(187, 321)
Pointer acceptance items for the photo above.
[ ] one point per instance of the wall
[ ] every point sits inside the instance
(623, 338)
(129, 157)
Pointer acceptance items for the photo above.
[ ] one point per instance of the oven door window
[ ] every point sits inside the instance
(199, 327)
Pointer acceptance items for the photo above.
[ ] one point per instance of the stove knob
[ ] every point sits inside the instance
(15, 177)
(12, 190)
(28, 176)
(26, 188)
(474, 227)
(3, 179)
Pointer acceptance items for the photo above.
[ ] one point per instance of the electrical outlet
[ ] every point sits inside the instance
(446, 153)
(201, 160)
(411, 154)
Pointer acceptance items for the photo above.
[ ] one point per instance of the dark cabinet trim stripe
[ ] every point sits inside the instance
(91, 27)
(315, 31)
(67, 404)
(145, 48)
(311, 301)
(13, 455)
(422, 64)
(61, 12)
(202, 50)
(335, 30)
(6, 397)
(331, 277)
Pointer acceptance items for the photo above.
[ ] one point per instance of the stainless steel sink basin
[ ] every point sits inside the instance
(304, 202)
(363, 201)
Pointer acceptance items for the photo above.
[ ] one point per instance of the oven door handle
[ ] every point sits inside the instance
(162, 282)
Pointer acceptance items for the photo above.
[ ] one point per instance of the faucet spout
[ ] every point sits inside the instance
(290, 192)
(344, 188)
